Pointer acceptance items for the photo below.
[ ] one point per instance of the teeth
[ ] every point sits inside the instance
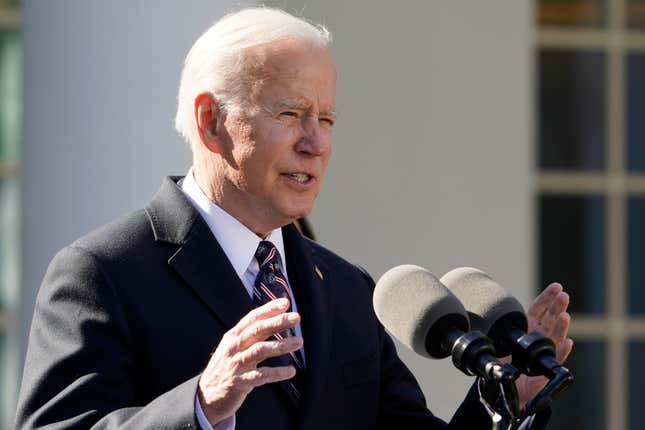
(300, 177)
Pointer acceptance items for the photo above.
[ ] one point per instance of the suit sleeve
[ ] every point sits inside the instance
(79, 370)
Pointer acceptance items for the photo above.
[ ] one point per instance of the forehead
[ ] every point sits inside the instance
(294, 71)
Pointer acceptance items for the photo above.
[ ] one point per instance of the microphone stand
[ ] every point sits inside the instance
(534, 354)
(474, 354)
(500, 395)
(561, 380)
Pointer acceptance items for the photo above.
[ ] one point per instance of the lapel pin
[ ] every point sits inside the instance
(318, 272)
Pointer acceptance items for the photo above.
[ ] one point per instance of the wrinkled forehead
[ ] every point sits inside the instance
(276, 55)
(292, 70)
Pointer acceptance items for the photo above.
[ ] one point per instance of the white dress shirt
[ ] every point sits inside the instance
(239, 244)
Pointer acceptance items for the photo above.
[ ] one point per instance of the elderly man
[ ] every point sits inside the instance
(191, 313)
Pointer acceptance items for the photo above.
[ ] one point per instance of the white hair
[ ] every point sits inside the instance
(216, 63)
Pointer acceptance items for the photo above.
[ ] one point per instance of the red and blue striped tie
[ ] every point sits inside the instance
(271, 284)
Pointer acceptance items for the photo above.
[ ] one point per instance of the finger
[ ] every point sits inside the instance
(560, 328)
(267, 375)
(274, 307)
(260, 351)
(557, 307)
(263, 329)
(542, 302)
(563, 349)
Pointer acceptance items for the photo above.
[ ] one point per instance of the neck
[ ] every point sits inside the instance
(215, 189)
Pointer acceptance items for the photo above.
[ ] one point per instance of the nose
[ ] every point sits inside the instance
(315, 139)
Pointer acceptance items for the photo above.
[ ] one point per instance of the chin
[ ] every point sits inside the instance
(291, 207)
(298, 212)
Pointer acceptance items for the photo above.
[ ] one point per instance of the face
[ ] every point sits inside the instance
(275, 150)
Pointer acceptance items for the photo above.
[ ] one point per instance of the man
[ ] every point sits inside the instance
(207, 308)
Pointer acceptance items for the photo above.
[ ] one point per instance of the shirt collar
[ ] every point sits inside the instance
(238, 242)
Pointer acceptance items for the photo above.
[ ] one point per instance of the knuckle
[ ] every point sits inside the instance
(266, 348)
(231, 339)
(236, 361)
(226, 337)
(273, 348)
(263, 376)
(253, 315)
(255, 349)
(233, 344)
(280, 321)
(282, 346)
(251, 377)
(237, 380)
(218, 352)
(233, 331)
(256, 329)
(284, 319)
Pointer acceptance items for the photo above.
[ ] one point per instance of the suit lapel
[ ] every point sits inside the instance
(199, 260)
(310, 283)
(202, 263)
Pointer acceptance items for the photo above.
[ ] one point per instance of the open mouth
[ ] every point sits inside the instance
(301, 178)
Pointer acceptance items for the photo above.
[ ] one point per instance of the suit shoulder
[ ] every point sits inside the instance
(328, 256)
(118, 237)
(331, 259)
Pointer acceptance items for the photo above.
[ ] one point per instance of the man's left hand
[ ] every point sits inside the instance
(547, 315)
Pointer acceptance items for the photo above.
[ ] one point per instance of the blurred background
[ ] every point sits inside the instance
(506, 135)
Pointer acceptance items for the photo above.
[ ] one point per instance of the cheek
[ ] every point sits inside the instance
(257, 167)
(280, 137)
(276, 145)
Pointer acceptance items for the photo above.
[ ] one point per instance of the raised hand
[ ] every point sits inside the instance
(547, 315)
(232, 371)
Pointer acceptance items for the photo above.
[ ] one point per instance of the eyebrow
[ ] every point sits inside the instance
(292, 104)
(301, 105)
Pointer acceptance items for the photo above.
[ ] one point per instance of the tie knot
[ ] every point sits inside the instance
(267, 254)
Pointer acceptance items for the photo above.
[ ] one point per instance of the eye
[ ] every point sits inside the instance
(289, 114)
(327, 121)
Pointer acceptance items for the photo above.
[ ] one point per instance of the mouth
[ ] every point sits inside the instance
(299, 177)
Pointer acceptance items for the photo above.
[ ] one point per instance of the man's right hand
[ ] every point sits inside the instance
(232, 371)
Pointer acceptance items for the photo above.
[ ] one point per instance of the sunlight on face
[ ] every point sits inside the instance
(280, 142)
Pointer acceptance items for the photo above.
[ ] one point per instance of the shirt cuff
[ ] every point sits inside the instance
(226, 424)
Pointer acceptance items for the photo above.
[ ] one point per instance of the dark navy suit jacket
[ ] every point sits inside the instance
(127, 318)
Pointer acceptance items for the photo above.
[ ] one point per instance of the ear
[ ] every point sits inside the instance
(207, 116)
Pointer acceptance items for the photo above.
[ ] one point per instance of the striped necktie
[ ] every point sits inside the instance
(271, 284)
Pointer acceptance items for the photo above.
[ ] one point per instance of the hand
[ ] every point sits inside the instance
(548, 316)
(232, 371)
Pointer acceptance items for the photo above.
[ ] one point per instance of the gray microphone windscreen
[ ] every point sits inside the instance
(409, 301)
(486, 301)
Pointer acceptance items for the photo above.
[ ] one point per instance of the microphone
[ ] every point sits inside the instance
(498, 314)
(425, 316)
